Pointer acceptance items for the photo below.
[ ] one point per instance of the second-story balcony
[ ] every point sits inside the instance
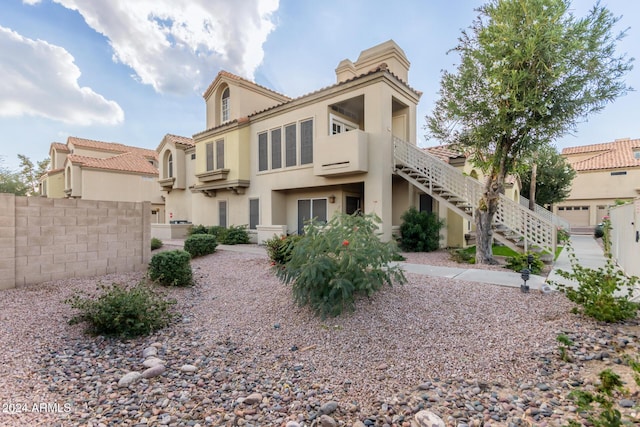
(341, 154)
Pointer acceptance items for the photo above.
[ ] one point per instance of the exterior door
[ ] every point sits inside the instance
(315, 209)
(352, 205)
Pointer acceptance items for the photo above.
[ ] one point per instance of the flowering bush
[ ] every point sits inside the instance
(331, 264)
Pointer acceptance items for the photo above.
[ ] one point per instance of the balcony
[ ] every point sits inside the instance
(167, 183)
(341, 154)
(215, 175)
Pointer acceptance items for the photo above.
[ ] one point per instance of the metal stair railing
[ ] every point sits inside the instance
(533, 228)
(547, 214)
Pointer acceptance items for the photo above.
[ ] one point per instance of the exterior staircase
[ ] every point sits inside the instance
(514, 224)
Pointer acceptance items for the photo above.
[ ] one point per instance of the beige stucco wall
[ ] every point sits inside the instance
(625, 248)
(278, 190)
(44, 239)
(600, 188)
(55, 185)
(99, 184)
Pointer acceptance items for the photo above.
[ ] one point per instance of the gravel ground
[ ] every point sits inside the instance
(244, 354)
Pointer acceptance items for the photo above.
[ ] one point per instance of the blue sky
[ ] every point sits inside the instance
(132, 71)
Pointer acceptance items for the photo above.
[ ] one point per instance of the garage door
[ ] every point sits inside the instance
(577, 216)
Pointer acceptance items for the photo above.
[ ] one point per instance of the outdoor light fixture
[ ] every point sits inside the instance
(524, 273)
(332, 199)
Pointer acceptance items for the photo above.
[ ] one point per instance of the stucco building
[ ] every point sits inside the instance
(605, 173)
(273, 162)
(96, 170)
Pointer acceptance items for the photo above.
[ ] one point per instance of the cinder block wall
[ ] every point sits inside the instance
(50, 239)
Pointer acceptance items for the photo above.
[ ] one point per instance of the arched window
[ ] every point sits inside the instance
(226, 109)
(170, 166)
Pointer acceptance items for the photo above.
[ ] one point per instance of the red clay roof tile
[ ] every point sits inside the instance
(608, 155)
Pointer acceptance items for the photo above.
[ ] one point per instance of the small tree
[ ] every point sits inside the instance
(529, 71)
(552, 182)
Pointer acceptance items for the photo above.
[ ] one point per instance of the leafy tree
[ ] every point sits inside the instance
(553, 178)
(30, 173)
(529, 70)
(10, 182)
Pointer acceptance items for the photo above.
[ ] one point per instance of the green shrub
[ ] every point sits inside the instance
(200, 244)
(608, 415)
(218, 232)
(197, 229)
(121, 311)
(156, 243)
(171, 268)
(520, 261)
(420, 231)
(604, 293)
(331, 264)
(280, 248)
(235, 235)
(462, 255)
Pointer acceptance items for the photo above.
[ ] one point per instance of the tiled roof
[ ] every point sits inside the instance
(60, 147)
(110, 146)
(176, 139)
(609, 155)
(126, 162)
(235, 77)
(444, 152)
(380, 68)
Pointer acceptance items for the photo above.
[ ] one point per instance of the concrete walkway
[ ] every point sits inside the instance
(586, 249)
(588, 253)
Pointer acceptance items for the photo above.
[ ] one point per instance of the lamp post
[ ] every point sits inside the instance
(524, 273)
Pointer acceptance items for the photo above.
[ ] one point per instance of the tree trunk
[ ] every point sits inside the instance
(532, 187)
(484, 219)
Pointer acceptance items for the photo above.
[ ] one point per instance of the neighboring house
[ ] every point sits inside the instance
(273, 162)
(605, 173)
(96, 170)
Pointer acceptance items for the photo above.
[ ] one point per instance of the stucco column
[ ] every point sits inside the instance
(377, 186)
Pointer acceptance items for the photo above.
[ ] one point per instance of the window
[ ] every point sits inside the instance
(209, 147)
(338, 125)
(311, 209)
(276, 148)
(254, 213)
(169, 170)
(226, 110)
(306, 142)
(618, 173)
(222, 213)
(263, 149)
(193, 156)
(220, 154)
(290, 145)
(270, 146)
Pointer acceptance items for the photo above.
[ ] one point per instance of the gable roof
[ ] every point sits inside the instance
(126, 162)
(225, 75)
(113, 147)
(60, 147)
(608, 155)
(381, 68)
(444, 152)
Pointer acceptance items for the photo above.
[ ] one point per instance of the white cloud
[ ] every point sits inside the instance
(41, 79)
(179, 46)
